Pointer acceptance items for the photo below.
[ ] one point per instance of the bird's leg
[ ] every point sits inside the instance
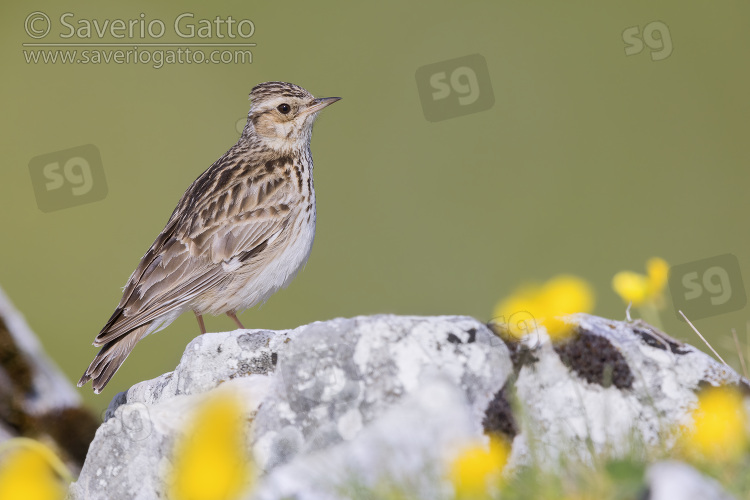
(232, 315)
(199, 317)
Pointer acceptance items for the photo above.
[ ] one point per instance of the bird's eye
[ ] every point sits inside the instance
(283, 108)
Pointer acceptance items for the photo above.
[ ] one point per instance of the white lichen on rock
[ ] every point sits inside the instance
(391, 398)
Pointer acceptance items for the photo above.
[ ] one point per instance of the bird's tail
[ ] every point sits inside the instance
(111, 356)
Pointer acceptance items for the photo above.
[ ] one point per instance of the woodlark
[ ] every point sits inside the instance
(240, 232)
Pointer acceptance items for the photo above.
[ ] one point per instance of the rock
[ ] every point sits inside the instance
(36, 399)
(380, 399)
(131, 454)
(427, 426)
(25, 365)
(672, 480)
(326, 382)
(337, 377)
(613, 381)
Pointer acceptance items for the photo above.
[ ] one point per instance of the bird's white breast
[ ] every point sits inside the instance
(252, 283)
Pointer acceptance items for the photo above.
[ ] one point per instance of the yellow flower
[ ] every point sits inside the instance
(719, 430)
(476, 470)
(658, 274)
(543, 304)
(31, 471)
(640, 289)
(213, 463)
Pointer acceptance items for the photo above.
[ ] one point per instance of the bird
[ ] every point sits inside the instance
(240, 232)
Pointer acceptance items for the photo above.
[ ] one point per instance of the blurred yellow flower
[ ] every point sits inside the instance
(640, 289)
(719, 430)
(213, 462)
(543, 304)
(31, 471)
(477, 471)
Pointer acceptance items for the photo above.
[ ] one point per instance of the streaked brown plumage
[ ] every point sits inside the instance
(240, 232)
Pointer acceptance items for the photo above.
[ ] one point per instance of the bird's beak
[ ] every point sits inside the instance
(320, 103)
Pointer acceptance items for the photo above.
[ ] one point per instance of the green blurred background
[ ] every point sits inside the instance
(588, 162)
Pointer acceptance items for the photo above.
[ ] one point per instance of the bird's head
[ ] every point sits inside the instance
(282, 114)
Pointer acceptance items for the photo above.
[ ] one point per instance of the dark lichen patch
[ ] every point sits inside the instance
(453, 339)
(650, 339)
(262, 364)
(17, 382)
(13, 361)
(498, 417)
(660, 341)
(72, 429)
(595, 359)
(13, 415)
(472, 335)
(520, 355)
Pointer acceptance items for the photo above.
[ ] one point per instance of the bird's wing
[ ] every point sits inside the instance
(216, 227)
